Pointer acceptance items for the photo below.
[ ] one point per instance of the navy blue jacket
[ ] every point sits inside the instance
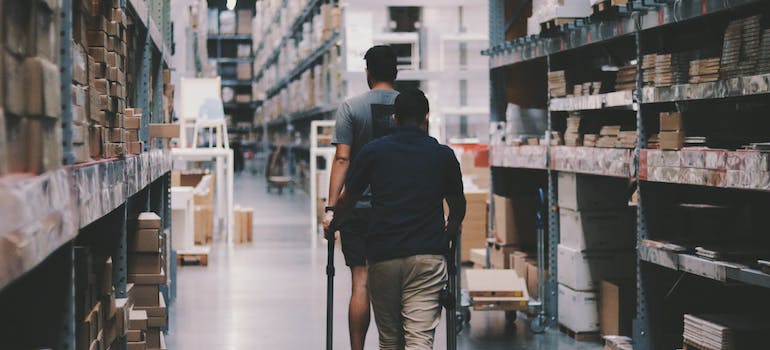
(410, 174)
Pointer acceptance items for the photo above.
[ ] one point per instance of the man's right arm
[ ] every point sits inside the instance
(455, 197)
(343, 139)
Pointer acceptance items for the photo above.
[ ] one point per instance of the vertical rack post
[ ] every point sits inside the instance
(120, 256)
(641, 325)
(65, 71)
(497, 99)
(143, 84)
(66, 336)
(551, 301)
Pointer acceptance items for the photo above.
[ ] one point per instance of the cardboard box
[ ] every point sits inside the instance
(671, 140)
(479, 258)
(145, 295)
(578, 310)
(499, 256)
(515, 220)
(14, 85)
(16, 17)
(40, 74)
(140, 345)
(134, 335)
(244, 22)
(204, 224)
(584, 270)
(591, 230)
(155, 311)
(589, 192)
(243, 71)
(144, 241)
(148, 278)
(520, 263)
(671, 121)
(134, 147)
(144, 263)
(148, 220)
(153, 337)
(116, 135)
(164, 130)
(617, 307)
(532, 279)
(133, 123)
(474, 227)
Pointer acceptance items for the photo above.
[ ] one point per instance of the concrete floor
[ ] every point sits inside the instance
(271, 294)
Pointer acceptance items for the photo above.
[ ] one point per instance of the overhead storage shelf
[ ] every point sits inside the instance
(589, 32)
(712, 269)
(41, 213)
(617, 99)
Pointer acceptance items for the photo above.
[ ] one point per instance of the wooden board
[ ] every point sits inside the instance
(495, 283)
(500, 304)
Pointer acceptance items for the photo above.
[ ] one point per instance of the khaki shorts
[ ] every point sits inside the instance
(405, 297)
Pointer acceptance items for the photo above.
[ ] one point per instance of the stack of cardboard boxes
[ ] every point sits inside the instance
(597, 240)
(474, 227)
(244, 225)
(99, 55)
(515, 236)
(101, 318)
(30, 94)
(671, 136)
(147, 271)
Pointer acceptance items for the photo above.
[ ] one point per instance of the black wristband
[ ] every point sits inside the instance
(329, 209)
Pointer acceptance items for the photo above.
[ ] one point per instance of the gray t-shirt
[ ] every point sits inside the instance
(361, 119)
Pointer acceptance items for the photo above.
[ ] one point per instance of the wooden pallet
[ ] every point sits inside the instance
(197, 256)
(580, 336)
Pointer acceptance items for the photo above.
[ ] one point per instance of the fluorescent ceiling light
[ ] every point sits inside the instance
(231, 4)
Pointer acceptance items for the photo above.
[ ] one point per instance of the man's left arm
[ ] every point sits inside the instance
(454, 195)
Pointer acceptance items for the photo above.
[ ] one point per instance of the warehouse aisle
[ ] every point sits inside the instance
(271, 295)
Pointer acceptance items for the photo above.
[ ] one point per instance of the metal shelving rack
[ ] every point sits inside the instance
(51, 210)
(298, 121)
(238, 111)
(642, 20)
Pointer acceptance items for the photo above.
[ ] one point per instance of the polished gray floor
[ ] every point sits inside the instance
(271, 294)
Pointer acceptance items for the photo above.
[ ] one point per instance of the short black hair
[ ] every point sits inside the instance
(411, 106)
(381, 63)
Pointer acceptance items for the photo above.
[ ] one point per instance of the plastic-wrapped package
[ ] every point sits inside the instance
(227, 22)
(693, 158)
(590, 160)
(715, 159)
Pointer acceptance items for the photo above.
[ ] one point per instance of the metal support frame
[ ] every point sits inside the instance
(641, 325)
(120, 256)
(550, 299)
(65, 69)
(157, 97)
(143, 85)
(66, 335)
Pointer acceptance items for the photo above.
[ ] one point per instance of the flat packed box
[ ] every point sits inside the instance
(515, 220)
(244, 22)
(243, 71)
(617, 307)
(590, 230)
(137, 320)
(578, 310)
(590, 192)
(532, 280)
(584, 270)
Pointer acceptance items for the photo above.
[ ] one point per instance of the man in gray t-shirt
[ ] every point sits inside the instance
(359, 120)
